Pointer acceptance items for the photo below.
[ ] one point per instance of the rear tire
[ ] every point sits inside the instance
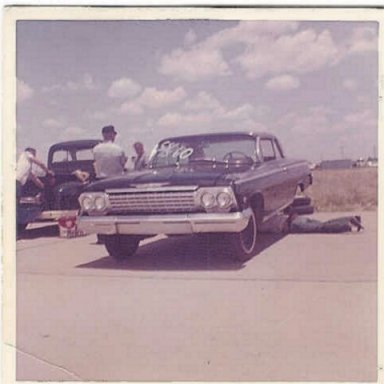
(121, 247)
(243, 244)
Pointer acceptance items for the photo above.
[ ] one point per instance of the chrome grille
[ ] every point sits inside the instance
(152, 200)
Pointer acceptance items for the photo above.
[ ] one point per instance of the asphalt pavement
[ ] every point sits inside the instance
(303, 309)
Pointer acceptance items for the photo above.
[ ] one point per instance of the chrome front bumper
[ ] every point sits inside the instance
(165, 224)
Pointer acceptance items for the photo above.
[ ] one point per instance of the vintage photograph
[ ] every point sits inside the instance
(195, 194)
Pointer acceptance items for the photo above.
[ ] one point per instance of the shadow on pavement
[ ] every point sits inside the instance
(34, 233)
(181, 253)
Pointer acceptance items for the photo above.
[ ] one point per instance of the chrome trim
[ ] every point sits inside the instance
(166, 200)
(55, 215)
(166, 224)
(135, 189)
(153, 202)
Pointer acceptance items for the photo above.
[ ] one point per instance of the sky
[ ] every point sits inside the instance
(313, 84)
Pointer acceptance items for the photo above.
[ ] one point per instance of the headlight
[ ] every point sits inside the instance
(95, 203)
(216, 199)
(208, 200)
(100, 203)
(87, 203)
(224, 199)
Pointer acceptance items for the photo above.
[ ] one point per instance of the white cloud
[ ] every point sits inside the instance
(153, 98)
(124, 87)
(194, 64)
(53, 123)
(303, 52)
(184, 120)
(24, 91)
(190, 37)
(98, 115)
(85, 83)
(246, 111)
(364, 118)
(203, 101)
(322, 124)
(205, 60)
(260, 48)
(247, 32)
(314, 120)
(73, 131)
(211, 117)
(131, 107)
(282, 83)
(350, 84)
(363, 39)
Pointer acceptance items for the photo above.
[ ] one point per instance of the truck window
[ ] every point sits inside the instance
(72, 155)
(59, 156)
(84, 154)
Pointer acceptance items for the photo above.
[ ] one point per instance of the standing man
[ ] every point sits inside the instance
(109, 158)
(24, 170)
(140, 160)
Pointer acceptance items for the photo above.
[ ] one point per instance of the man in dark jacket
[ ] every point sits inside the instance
(303, 224)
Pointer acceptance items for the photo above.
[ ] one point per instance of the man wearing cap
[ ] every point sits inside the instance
(109, 157)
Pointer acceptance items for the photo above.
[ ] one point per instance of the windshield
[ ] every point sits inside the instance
(203, 149)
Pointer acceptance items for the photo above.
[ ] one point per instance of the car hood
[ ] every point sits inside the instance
(166, 176)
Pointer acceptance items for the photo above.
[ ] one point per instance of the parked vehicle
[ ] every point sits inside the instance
(214, 183)
(70, 161)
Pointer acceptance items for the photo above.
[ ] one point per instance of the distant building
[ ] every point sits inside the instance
(336, 164)
(372, 162)
(360, 162)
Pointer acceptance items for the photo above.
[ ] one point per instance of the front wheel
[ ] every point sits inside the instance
(121, 246)
(243, 244)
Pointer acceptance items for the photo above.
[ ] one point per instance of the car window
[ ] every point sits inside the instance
(267, 149)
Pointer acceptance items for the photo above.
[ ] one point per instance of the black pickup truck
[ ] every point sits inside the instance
(68, 160)
(214, 183)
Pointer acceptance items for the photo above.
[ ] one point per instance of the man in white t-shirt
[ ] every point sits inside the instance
(109, 158)
(24, 170)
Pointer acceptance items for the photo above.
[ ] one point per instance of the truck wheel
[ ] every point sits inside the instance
(121, 246)
(243, 244)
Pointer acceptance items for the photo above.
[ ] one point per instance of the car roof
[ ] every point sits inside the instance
(223, 134)
(75, 144)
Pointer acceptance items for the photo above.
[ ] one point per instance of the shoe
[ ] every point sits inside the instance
(356, 221)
